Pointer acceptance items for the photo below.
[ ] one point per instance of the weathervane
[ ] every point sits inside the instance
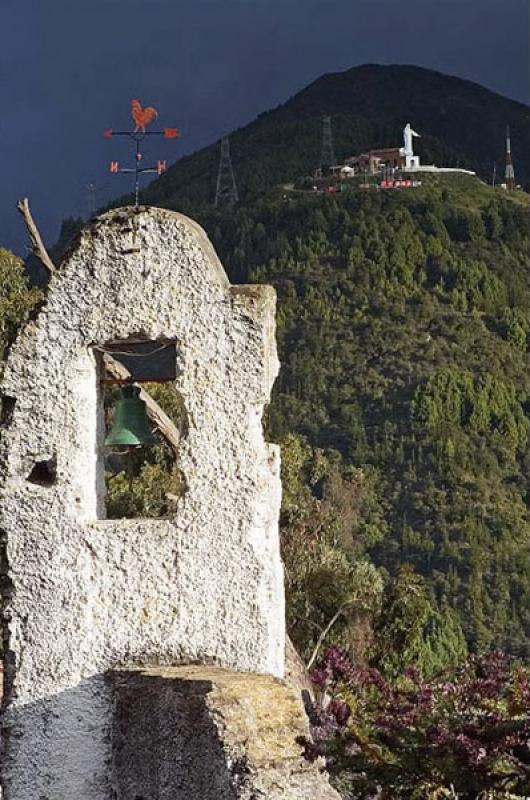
(142, 118)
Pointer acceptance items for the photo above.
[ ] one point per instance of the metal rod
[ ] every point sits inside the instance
(112, 381)
(133, 135)
(137, 176)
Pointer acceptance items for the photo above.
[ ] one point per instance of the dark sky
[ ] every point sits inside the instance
(69, 68)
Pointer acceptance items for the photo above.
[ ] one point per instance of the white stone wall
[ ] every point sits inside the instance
(89, 595)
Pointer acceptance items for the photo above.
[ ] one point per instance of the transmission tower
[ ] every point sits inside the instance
(226, 192)
(328, 155)
(510, 171)
(91, 202)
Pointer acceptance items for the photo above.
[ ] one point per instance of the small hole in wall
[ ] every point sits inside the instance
(8, 408)
(44, 473)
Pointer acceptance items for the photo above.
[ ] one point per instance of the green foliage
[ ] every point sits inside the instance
(16, 298)
(454, 402)
(410, 630)
(463, 735)
(330, 520)
(326, 524)
(403, 342)
(146, 493)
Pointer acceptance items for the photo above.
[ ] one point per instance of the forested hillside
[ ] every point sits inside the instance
(403, 328)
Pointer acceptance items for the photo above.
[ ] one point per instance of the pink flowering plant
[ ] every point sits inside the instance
(462, 735)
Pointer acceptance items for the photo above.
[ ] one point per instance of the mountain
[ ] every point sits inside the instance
(460, 122)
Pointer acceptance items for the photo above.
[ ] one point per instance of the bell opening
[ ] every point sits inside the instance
(142, 475)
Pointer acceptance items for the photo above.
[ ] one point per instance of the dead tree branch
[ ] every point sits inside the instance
(37, 245)
(323, 635)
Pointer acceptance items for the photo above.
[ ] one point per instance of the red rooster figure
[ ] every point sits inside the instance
(142, 116)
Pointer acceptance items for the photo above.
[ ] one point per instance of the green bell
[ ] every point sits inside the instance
(130, 427)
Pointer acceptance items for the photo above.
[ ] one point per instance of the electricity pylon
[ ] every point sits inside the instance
(328, 155)
(91, 202)
(226, 192)
(510, 171)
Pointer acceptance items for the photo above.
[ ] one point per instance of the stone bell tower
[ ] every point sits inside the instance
(142, 656)
(87, 599)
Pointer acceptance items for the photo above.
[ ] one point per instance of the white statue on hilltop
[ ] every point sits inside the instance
(408, 136)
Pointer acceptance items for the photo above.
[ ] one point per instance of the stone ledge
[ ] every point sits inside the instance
(213, 735)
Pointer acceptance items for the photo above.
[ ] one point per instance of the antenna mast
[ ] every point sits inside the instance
(327, 158)
(91, 202)
(226, 191)
(510, 171)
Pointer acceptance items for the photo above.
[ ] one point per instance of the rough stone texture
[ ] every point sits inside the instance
(86, 595)
(209, 734)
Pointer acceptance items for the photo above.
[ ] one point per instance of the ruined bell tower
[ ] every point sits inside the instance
(87, 595)
(142, 656)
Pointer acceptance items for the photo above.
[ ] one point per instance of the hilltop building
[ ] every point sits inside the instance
(390, 161)
(374, 162)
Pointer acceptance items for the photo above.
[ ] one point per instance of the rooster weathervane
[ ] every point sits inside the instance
(142, 117)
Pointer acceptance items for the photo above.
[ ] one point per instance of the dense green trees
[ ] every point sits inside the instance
(16, 298)
(402, 326)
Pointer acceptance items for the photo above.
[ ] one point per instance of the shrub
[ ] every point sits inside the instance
(464, 734)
